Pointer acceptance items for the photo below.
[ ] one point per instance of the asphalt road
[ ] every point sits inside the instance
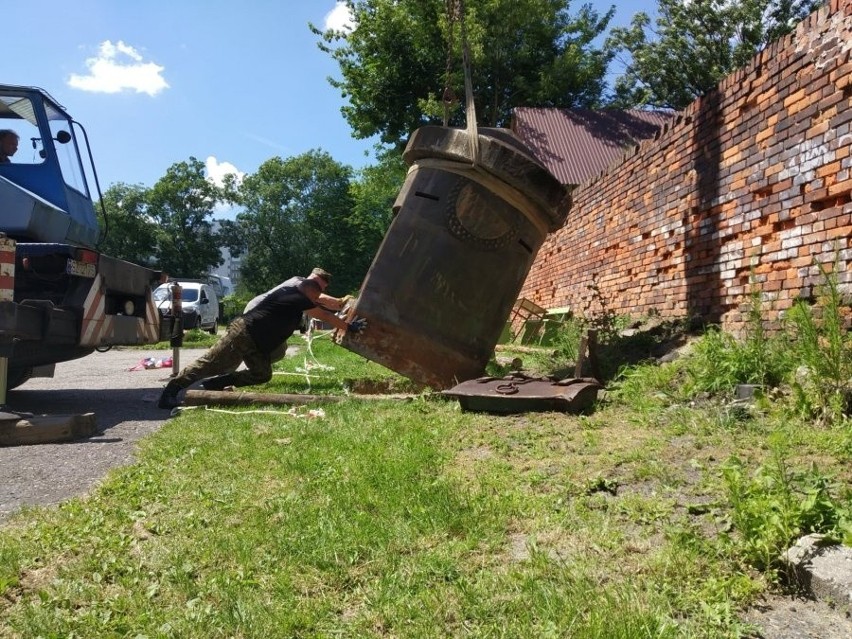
(125, 406)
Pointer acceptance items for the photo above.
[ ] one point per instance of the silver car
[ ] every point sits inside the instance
(199, 303)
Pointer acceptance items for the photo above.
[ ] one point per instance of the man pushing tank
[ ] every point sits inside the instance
(260, 332)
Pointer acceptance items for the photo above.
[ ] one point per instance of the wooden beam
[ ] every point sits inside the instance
(18, 430)
(242, 398)
(245, 398)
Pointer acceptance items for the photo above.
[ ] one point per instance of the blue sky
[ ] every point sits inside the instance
(155, 81)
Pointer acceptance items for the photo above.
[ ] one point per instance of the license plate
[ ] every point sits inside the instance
(80, 269)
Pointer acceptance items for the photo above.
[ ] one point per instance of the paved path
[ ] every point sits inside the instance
(125, 405)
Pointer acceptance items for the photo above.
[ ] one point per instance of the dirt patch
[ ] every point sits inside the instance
(790, 617)
(386, 386)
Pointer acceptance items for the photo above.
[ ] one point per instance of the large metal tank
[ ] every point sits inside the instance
(464, 236)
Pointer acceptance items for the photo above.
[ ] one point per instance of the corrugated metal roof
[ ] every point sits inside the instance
(576, 144)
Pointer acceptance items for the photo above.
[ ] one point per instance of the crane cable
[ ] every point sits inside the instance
(456, 14)
(449, 96)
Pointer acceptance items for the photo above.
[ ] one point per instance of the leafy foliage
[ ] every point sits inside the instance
(297, 215)
(694, 45)
(130, 232)
(182, 204)
(775, 504)
(823, 346)
(373, 194)
(395, 63)
(169, 226)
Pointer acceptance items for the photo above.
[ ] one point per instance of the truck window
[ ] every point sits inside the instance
(16, 114)
(66, 152)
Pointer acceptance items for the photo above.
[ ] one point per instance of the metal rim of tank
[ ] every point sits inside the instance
(503, 156)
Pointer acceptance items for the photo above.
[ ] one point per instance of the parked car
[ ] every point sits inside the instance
(199, 303)
(221, 284)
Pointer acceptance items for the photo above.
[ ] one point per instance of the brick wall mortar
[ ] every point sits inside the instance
(750, 185)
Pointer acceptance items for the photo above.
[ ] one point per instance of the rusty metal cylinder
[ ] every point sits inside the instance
(468, 223)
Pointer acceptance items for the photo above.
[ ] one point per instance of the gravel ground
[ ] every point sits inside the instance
(781, 617)
(125, 406)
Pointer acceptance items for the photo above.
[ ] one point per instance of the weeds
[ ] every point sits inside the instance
(649, 388)
(810, 362)
(773, 504)
(720, 361)
(776, 504)
(604, 320)
(821, 387)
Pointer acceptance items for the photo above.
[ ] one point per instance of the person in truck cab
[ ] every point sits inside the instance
(256, 335)
(8, 145)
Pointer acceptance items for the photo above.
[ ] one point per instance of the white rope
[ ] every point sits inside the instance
(300, 373)
(292, 412)
(315, 363)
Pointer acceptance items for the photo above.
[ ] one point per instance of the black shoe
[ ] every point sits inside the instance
(220, 382)
(169, 398)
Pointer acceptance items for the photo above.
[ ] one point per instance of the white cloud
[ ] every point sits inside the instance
(119, 67)
(216, 171)
(339, 18)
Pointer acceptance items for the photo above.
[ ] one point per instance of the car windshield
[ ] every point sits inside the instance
(163, 293)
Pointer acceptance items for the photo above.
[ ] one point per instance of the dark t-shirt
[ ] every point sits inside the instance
(278, 315)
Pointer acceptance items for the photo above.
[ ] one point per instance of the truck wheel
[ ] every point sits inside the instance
(213, 329)
(17, 376)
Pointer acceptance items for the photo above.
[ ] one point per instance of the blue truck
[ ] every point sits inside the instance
(60, 297)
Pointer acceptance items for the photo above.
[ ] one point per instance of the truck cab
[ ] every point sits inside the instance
(47, 164)
(60, 298)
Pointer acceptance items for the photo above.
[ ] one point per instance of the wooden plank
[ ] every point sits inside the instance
(245, 398)
(19, 430)
(241, 398)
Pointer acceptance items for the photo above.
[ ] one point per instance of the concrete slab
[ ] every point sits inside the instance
(823, 568)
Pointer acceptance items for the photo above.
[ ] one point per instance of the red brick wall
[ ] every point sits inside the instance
(752, 182)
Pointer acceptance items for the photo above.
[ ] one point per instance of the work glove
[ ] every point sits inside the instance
(345, 301)
(357, 325)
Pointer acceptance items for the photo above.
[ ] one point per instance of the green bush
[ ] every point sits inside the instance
(720, 361)
(232, 307)
(775, 504)
(823, 349)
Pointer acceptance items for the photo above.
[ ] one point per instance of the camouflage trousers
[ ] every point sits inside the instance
(232, 349)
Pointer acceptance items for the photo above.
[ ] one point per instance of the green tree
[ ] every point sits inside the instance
(297, 215)
(374, 192)
(182, 204)
(129, 232)
(394, 63)
(694, 45)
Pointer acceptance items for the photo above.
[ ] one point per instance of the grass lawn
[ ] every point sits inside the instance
(411, 518)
